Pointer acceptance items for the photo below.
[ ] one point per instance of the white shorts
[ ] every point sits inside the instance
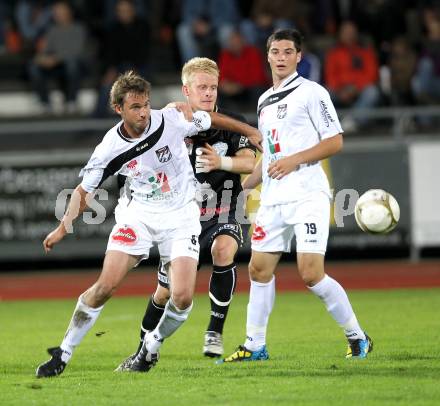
(307, 219)
(176, 233)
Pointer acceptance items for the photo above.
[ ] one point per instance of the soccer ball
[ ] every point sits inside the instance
(377, 212)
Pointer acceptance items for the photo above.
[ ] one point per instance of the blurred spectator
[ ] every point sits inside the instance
(351, 74)
(3, 18)
(33, 18)
(164, 16)
(327, 16)
(61, 57)
(269, 15)
(205, 26)
(383, 20)
(309, 66)
(125, 47)
(399, 72)
(111, 14)
(242, 72)
(426, 83)
(12, 40)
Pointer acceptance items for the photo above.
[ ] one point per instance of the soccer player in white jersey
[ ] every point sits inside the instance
(300, 128)
(158, 206)
(221, 234)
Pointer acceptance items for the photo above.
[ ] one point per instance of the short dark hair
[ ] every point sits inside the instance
(289, 34)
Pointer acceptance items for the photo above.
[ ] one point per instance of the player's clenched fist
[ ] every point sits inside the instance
(53, 238)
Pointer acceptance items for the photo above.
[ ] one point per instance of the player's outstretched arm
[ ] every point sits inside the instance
(183, 107)
(223, 122)
(77, 205)
(326, 148)
(255, 178)
(208, 160)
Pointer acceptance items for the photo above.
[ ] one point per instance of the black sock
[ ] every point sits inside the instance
(152, 315)
(221, 288)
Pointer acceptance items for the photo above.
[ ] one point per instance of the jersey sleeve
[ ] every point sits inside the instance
(96, 170)
(239, 141)
(201, 121)
(322, 112)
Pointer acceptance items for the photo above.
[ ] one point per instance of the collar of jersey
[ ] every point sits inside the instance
(287, 81)
(133, 139)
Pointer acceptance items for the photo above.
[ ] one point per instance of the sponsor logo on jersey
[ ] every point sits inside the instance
(282, 111)
(221, 148)
(325, 114)
(204, 191)
(159, 183)
(213, 210)
(258, 233)
(274, 142)
(143, 146)
(132, 164)
(125, 235)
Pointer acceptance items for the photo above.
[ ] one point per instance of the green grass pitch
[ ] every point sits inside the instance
(307, 365)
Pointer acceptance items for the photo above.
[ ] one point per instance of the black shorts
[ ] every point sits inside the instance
(210, 231)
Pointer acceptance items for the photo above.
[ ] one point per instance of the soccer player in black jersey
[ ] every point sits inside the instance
(218, 159)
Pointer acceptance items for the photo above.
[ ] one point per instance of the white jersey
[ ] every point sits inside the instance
(296, 116)
(157, 166)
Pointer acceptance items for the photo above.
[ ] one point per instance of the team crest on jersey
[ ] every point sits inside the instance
(282, 111)
(163, 154)
(221, 148)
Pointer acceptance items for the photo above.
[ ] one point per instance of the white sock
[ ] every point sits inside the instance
(83, 319)
(336, 301)
(261, 300)
(171, 320)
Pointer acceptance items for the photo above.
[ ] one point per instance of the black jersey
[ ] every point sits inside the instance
(218, 190)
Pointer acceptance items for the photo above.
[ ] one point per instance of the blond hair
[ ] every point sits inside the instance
(197, 64)
(128, 82)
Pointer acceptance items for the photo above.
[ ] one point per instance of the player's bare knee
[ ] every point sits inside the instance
(182, 300)
(311, 269)
(223, 254)
(259, 274)
(101, 292)
(161, 298)
(310, 275)
(308, 278)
